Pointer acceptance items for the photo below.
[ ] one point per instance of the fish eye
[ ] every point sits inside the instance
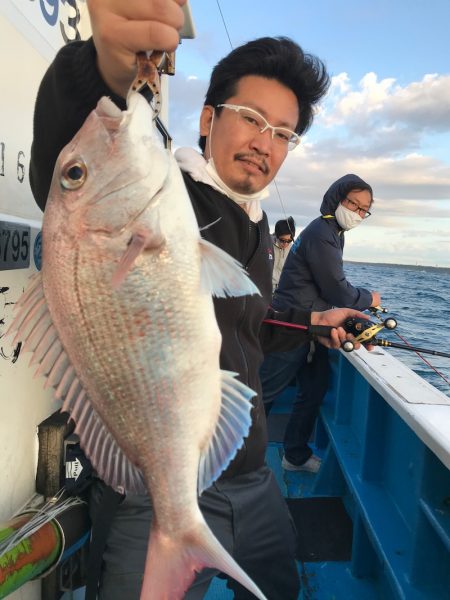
(74, 175)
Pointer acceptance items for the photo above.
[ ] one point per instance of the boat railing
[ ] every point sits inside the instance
(385, 433)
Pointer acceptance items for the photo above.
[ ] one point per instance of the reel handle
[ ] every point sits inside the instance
(325, 331)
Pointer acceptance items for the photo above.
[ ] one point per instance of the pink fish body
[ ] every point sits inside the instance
(122, 324)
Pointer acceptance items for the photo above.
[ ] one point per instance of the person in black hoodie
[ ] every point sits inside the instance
(283, 237)
(260, 99)
(313, 278)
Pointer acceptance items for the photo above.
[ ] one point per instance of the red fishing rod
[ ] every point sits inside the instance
(313, 330)
(364, 332)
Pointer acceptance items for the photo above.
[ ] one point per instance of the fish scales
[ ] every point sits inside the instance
(127, 283)
(107, 325)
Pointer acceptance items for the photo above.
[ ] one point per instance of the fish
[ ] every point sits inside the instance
(120, 322)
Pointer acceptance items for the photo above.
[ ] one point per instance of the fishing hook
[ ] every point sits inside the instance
(149, 66)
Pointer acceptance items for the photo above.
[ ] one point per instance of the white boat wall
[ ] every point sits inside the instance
(30, 35)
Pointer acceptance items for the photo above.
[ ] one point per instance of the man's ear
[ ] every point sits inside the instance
(205, 119)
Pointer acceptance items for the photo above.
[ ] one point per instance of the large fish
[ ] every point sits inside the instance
(122, 324)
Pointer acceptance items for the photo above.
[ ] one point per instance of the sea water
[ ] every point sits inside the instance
(419, 298)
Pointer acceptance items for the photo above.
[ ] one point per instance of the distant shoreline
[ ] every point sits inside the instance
(398, 266)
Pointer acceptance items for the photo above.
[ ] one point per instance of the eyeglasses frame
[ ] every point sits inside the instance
(294, 139)
(358, 208)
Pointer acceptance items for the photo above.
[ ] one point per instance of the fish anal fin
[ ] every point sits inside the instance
(102, 449)
(232, 427)
(222, 275)
(47, 351)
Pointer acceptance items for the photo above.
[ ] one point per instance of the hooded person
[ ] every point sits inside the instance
(313, 278)
(282, 241)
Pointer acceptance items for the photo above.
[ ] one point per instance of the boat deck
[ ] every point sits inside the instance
(319, 580)
(384, 436)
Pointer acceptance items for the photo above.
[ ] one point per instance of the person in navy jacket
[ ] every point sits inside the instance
(313, 278)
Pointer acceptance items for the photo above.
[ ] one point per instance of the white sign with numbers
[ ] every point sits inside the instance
(48, 24)
(31, 32)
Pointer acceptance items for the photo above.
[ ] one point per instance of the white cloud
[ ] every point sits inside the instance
(422, 105)
(357, 104)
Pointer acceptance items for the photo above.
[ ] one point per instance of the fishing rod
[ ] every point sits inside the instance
(387, 344)
(312, 330)
(364, 332)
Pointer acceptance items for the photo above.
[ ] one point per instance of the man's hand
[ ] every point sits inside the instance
(121, 28)
(376, 299)
(336, 317)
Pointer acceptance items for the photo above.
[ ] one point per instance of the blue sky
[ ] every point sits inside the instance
(386, 117)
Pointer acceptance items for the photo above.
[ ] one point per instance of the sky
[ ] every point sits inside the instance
(386, 116)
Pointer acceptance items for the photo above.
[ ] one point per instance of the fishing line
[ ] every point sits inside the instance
(224, 23)
(281, 202)
(423, 358)
(375, 311)
(231, 46)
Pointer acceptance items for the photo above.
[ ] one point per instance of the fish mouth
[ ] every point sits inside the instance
(261, 165)
(107, 108)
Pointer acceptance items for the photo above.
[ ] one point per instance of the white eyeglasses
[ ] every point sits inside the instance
(253, 120)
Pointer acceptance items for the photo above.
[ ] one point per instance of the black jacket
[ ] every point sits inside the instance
(69, 91)
(313, 276)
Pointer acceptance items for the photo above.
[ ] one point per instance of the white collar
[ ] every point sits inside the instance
(192, 162)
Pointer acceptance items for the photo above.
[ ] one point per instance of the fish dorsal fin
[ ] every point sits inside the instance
(222, 275)
(232, 427)
(33, 326)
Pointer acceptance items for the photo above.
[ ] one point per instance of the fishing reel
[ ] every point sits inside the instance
(364, 331)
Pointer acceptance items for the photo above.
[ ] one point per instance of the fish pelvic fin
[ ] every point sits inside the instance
(140, 241)
(171, 564)
(233, 425)
(222, 275)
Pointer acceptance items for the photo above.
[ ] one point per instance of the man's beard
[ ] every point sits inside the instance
(245, 187)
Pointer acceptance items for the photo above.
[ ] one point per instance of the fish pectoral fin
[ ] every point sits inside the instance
(222, 275)
(142, 239)
(233, 425)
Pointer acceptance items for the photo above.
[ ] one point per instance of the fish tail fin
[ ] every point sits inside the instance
(171, 563)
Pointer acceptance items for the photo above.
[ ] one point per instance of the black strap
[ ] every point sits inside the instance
(108, 505)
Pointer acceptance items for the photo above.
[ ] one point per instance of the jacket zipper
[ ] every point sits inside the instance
(245, 302)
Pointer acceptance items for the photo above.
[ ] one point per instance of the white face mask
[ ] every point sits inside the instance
(346, 218)
(236, 196)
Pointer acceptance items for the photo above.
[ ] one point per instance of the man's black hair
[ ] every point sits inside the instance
(277, 58)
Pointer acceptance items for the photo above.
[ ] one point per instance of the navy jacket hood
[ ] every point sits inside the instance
(338, 191)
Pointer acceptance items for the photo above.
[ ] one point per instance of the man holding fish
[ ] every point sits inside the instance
(259, 101)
